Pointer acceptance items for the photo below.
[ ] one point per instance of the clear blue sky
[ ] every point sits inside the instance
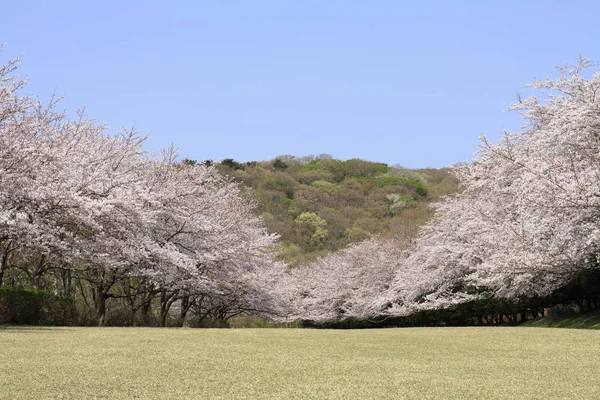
(414, 83)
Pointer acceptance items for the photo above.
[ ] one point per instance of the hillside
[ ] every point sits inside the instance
(319, 204)
(587, 320)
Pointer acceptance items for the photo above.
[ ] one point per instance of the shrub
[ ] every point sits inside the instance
(35, 307)
(279, 164)
(413, 184)
(231, 163)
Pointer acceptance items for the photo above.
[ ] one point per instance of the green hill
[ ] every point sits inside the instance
(319, 204)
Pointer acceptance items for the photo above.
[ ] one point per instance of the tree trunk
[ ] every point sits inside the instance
(67, 280)
(130, 300)
(185, 306)
(145, 310)
(4, 260)
(146, 304)
(36, 276)
(100, 292)
(2, 269)
(166, 301)
(101, 308)
(523, 316)
(3, 266)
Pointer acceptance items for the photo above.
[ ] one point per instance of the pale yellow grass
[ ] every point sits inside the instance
(415, 363)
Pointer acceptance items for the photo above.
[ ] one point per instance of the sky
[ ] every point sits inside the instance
(409, 83)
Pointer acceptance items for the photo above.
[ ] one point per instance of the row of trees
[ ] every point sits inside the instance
(523, 230)
(90, 215)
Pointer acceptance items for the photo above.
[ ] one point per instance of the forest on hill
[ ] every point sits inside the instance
(318, 204)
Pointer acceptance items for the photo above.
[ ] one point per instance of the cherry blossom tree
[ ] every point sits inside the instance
(347, 284)
(526, 220)
(77, 203)
(88, 213)
(216, 234)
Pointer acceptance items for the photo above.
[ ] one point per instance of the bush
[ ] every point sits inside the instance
(231, 163)
(279, 164)
(412, 184)
(35, 307)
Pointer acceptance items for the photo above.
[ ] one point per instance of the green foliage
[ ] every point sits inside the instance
(279, 165)
(279, 182)
(308, 177)
(326, 187)
(311, 229)
(384, 181)
(399, 203)
(356, 198)
(231, 163)
(188, 161)
(337, 170)
(35, 307)
(360, 168)
(418, 186)
(355, 235)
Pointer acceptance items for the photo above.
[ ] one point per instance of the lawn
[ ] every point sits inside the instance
(410, 363)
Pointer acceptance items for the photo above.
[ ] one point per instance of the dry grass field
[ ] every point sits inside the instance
(412, 363)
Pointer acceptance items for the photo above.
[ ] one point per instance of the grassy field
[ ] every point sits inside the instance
(579, 321)
(411, 363)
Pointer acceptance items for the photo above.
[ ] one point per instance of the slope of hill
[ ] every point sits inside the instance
(319, 204)
(588, 320)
